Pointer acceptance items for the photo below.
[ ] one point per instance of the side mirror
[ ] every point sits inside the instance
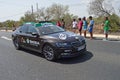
(35, 34)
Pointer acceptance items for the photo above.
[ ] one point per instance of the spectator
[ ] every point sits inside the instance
(14, 27)
(106, 28)
(74, 25)
(90, 27)
(63, 23)
(84, 26)
(79, 25)
(58, 23)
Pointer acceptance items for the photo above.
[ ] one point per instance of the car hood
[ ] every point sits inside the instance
(63, 37)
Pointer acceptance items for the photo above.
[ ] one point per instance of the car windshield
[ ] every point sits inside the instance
(50, 29)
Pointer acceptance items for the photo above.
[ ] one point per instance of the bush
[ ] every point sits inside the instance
(114, 22)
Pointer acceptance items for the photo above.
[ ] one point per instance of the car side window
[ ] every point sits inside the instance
(23, 29)
(32, 30)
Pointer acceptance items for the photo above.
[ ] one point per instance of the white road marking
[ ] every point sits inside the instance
(6, 38)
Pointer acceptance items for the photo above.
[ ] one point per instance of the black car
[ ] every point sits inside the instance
(48, 39)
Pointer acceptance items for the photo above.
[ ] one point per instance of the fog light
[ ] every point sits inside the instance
(67, 50)
(65, 54)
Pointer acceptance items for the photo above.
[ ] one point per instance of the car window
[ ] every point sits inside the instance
(23, 29)
(50, 29)
(31, 29)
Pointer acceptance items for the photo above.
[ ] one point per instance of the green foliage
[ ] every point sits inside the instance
(55, 11)
(99, 20)
(1, 24)
(58, 11)
(28, 17)
(102, 8)
(114, 22)
(10, 23)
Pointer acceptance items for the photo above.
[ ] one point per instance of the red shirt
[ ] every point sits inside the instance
(80, 24)
(58, 24)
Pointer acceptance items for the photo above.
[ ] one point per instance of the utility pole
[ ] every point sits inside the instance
(37, 7)
(33, 18)
(32, 9)
(37, 12)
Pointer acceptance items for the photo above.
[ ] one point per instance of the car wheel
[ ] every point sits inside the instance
(16, 44)
(49, 53)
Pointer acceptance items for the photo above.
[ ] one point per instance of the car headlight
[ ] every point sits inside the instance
(82, 39)
(62, 44)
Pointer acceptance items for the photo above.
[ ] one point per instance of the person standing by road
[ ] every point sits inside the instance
(58, 23)
(63, 23)
(14, 27)
(79, 25)
(106, 28)
(90, 27)
(74, 25)
(84, 26)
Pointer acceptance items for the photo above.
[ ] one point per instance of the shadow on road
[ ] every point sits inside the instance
(80, 59)
(33, 53)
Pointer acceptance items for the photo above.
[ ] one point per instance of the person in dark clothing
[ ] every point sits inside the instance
(62, 23)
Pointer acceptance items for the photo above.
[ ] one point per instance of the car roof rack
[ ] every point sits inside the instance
(45, 22)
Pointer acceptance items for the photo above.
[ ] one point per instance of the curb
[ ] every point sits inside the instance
(102, 36)
(111, 37)
(7, 30)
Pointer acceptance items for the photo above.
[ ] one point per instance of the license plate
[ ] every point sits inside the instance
(81, 47)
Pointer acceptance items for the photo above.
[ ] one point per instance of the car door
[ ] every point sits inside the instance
(34, 40)
(23, 36)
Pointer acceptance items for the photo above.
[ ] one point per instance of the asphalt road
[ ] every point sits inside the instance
(101, 62)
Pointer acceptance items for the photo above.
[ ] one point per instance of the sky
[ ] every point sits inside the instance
(14, 9)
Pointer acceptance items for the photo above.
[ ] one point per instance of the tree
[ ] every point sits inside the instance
(43, 14)
(58, 11)
(10, 23)
(28, 17)
(100, 8)
(1, 24)
(55, 11)
(115, 24)
(119, 10)
(68, 20)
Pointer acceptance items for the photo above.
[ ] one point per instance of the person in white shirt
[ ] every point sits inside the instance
(74, 25)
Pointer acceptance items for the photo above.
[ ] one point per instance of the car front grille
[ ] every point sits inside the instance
(78, 43)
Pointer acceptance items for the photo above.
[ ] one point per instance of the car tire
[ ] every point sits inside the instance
(16, 44)
(49, 53)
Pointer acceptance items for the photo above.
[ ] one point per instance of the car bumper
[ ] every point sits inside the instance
(71, 52)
